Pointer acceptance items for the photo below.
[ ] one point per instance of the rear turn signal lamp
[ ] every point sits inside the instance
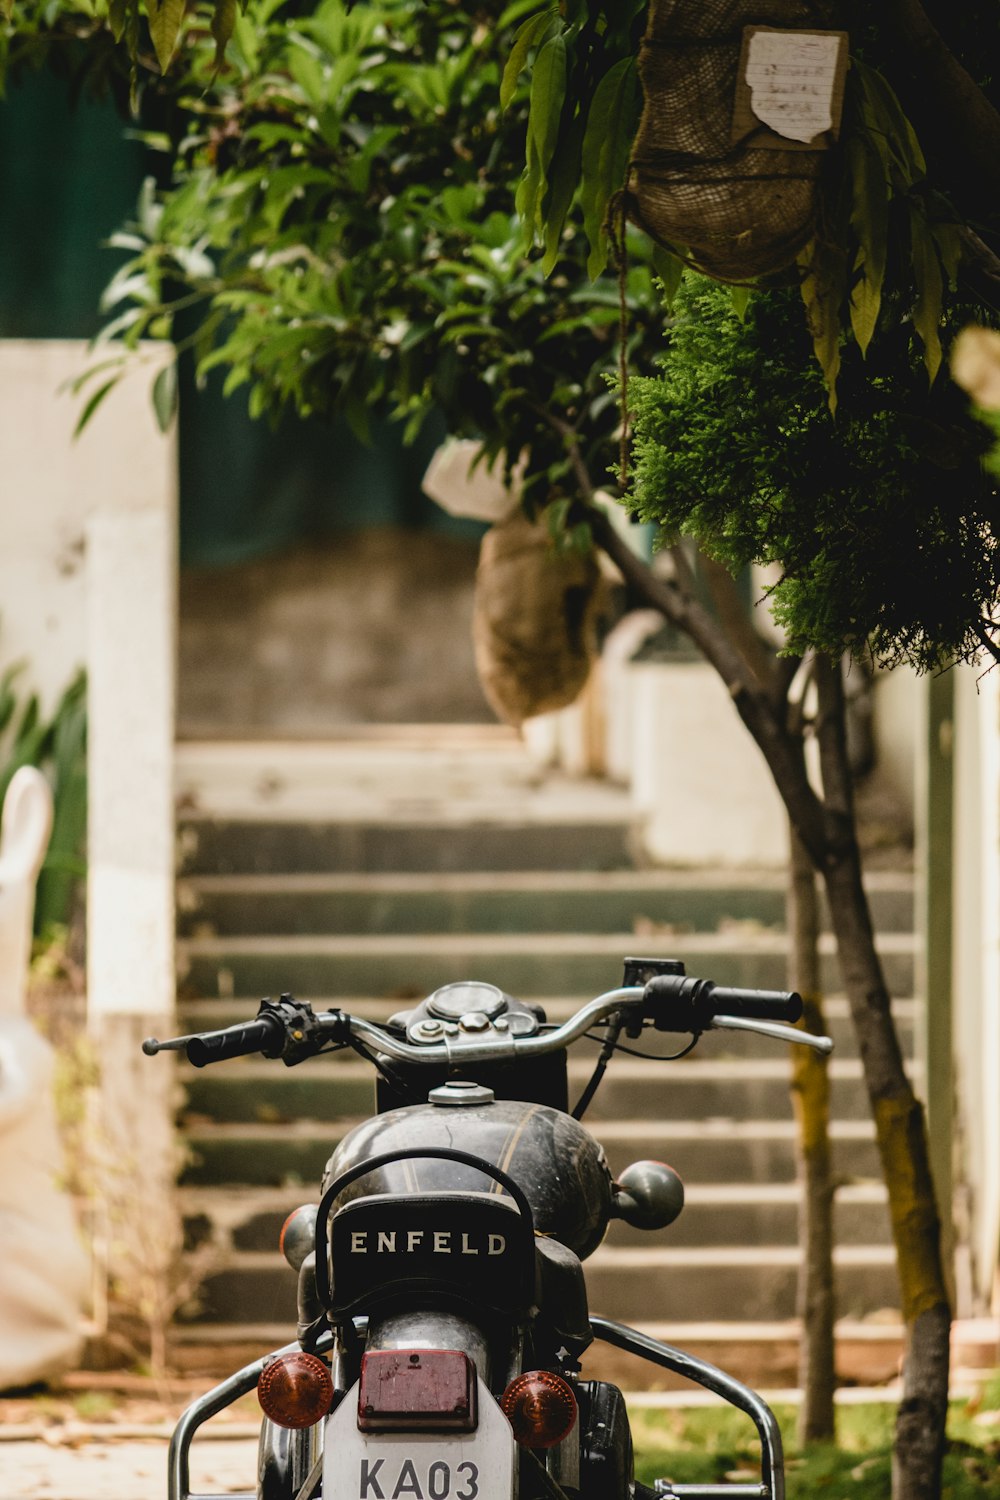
(541, 1408)
(295, 1390)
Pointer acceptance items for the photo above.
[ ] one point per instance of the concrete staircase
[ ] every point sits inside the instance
(369, 871)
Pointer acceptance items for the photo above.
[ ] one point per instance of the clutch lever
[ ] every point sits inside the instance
(776, 1029)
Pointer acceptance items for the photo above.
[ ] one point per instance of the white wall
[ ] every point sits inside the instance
(88, 577)
(976, 962)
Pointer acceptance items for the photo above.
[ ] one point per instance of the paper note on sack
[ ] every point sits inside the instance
(791, 77)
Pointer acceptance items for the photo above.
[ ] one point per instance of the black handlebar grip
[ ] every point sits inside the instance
(261, 1035)
(683, 1003)
(757, 1005)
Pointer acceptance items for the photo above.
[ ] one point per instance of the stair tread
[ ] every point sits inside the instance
(445, 944)
(512, 880)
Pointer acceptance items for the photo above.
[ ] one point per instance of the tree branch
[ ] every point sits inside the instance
(987, 640)
(956, 120)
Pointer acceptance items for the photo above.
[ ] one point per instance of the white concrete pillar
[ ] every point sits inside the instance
(130, 652)
(976, 971)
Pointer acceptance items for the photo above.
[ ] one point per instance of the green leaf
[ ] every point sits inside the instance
(670, 269)
(165, 395)
(870, 222)
(223, 21)
(887, 117)
(165, 17)
(530, 34)
(94, 402)
(548, 89)
(118, 17)
(607, 145)
(564, 174)
(949, 248)
(930, 290)
(739, 297)
(821, 276)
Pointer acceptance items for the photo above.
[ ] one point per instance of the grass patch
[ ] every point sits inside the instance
(714, 1445)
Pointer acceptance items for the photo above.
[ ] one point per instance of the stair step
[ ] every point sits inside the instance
(251, 1219)
(226, 846)
(700, 1150)
(624, 1284)
(534, 963)
(331, 1089)
(203, 1015)
(385, 771)
(503, 901)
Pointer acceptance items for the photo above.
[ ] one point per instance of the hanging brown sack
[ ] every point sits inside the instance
(700, 180)
(534, 619)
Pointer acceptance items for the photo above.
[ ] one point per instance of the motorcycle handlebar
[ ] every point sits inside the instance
(678, 1003)
(673, 1003)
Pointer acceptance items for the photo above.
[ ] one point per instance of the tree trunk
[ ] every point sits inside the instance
(828, 834)
(899, 1126)
(811, 1095)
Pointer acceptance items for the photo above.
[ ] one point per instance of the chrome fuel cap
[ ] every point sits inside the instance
(459, 1091)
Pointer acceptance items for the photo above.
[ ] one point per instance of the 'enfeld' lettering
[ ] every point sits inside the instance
(409, 1241)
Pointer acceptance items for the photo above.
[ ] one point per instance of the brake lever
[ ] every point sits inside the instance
(776, 1029)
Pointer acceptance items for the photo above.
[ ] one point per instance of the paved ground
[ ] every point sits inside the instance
(96, 1468)
(58, 1455)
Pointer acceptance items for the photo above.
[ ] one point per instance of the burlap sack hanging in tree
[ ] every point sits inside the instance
(709, 175)
(534, 619)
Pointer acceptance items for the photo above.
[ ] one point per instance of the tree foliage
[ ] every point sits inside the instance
(339, 234)
(882, 522)
(337, 230)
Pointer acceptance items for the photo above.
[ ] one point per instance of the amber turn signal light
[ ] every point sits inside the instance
(541, 1408)
(295, 1390)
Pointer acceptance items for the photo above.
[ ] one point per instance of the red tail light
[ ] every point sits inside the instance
(295, 1390)
(406, 1390)
(541, 1408)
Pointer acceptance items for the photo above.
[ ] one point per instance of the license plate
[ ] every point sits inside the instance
(478, 1465)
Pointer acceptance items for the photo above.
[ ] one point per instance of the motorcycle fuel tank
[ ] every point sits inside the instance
(560, 1168)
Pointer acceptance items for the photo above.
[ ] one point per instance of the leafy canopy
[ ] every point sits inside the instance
(882, 523)
(339, 235)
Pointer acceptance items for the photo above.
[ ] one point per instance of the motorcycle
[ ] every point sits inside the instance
(442, 1309)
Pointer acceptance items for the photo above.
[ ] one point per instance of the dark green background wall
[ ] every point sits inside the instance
(69, 176)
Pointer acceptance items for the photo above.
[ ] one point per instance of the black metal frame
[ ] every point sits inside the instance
(710, 1377)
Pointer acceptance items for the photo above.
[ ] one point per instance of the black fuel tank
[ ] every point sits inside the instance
(561, 1169)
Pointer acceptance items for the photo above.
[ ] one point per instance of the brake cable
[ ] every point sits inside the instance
(611, 1036)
